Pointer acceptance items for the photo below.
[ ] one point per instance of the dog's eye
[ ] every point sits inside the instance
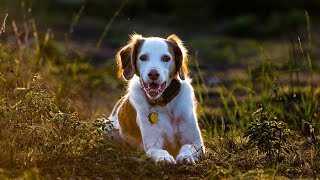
(143, 57)
(166, 58)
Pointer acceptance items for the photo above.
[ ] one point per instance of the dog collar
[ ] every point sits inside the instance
(169, 93)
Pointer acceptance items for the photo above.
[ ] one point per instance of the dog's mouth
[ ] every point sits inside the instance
(153, 89)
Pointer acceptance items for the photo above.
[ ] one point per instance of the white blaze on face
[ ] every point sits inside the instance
(154, 56)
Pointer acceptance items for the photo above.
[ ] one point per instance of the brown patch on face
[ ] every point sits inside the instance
(173, 71)
(180, 55)
(134, 55)
(127, 57)
(127, 120)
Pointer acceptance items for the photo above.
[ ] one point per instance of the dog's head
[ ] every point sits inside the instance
(155, 60)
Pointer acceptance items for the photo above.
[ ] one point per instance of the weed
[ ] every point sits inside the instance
(269, 136)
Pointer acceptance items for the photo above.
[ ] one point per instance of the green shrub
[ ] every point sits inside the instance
(269, 137)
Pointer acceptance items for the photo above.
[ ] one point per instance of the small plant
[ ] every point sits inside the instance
(268, 136)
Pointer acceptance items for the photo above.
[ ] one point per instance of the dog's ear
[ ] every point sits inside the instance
(127, 57)
(181, 55)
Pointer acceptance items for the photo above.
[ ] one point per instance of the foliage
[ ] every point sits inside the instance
(269, 136)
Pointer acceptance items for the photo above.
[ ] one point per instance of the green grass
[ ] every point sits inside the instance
(260, 121)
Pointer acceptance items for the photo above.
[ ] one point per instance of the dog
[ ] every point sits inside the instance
(157, 113)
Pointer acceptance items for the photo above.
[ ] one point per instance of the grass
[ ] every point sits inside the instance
(261, 120)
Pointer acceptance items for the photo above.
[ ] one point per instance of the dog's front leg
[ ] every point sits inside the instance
(190, 153)
(153, 141)
(153, 145)
(192, 145)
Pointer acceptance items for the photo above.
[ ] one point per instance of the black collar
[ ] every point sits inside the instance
(169, 93)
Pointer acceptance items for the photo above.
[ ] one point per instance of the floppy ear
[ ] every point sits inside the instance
(181, 56)
(127, 57)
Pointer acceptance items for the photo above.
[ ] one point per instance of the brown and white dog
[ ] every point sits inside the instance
(158, 111)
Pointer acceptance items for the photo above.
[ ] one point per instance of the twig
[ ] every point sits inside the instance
(3, 27)
(108, 25)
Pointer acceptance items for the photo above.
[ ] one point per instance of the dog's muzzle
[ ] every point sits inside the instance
(153, 89)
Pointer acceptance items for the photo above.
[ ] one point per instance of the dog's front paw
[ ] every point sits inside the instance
(163, 156)
(166, 159)
(189, 153)
(186, 158)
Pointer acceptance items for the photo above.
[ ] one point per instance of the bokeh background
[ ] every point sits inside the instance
(87, 20)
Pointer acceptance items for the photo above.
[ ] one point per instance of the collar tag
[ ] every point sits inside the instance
(153, 117)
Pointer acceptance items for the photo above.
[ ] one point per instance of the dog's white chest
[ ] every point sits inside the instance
(167, 125)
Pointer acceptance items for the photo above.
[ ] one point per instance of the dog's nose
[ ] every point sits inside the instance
(153, 74)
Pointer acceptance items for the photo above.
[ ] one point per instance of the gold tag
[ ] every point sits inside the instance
(153, 117)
